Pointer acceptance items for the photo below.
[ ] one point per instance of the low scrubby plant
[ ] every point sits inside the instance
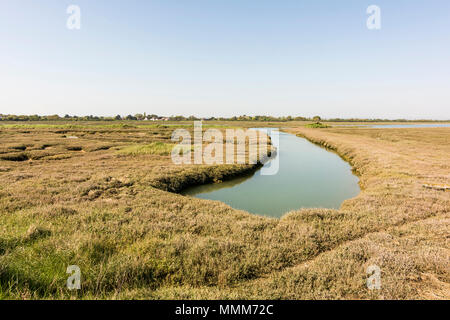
(156, 148)
(317, 125)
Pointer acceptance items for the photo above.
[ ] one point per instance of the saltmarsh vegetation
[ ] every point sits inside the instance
(157, 148)
(317, 125)
(112, 215)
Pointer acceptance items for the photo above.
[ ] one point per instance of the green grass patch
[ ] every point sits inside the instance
(157, 148)
(317, 125)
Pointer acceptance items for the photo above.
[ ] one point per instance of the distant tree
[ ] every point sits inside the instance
(52, 117)
(35, 117)
(139, 116)
(118, 117)
(317, 119)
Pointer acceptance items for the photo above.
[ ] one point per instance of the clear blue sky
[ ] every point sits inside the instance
(224, 58)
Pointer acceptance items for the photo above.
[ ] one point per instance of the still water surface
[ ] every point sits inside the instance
(308, 177)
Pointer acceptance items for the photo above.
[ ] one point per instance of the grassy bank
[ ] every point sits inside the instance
(80, 201)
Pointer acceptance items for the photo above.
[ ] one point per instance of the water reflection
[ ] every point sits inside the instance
(308, 177)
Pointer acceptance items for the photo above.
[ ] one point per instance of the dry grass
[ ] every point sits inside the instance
(158, 148)
(78, 201)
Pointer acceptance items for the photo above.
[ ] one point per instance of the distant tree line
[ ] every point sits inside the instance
(141, 117)
(154, 117)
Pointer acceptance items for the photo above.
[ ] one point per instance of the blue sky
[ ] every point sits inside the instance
(225, 58)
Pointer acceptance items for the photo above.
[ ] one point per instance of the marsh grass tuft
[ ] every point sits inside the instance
(317, 125)
(35, 232)
(156, 148)
(18, 147)
(15, 157)
(74, 148)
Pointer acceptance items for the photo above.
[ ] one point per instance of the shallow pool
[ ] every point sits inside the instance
(308, 177)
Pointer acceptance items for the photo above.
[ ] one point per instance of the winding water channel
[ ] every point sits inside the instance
(308, 177)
